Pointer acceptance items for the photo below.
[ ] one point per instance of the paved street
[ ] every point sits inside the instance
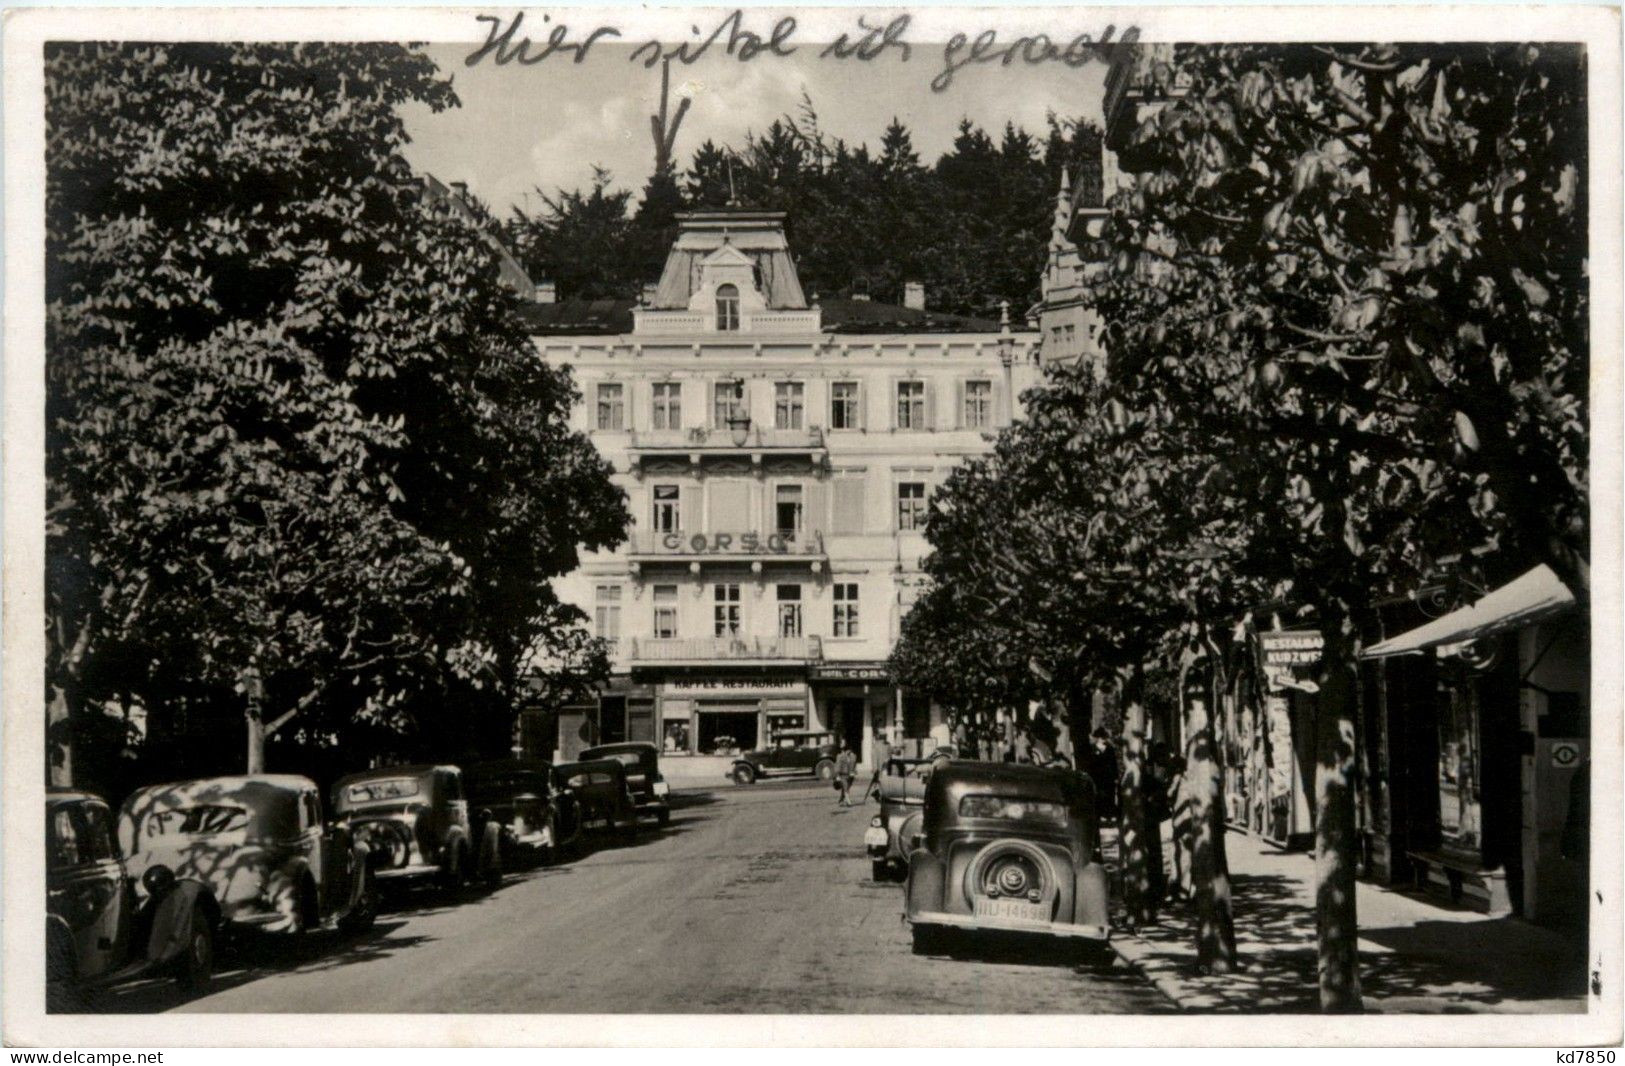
(753, 900)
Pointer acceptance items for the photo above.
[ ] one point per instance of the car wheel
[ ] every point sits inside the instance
(880, 870)
(665, 817)
(744, 775)
(61, 994)
(825, 771)
(928, 940)
(361, 916)
(196, 964)
(455, 873)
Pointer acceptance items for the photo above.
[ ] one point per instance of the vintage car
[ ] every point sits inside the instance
(792, 752)
(98, 931)
(902, 803)
(603, 795)
(650, 792)
(537, 820)
(258, 843)
(413, 821)
(1006, 848)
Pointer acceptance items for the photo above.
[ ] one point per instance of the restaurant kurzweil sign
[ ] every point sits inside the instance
(1291, 659)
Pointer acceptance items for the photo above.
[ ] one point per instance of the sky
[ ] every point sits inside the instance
(547, 125)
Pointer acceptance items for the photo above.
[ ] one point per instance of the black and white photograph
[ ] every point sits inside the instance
(851, 519)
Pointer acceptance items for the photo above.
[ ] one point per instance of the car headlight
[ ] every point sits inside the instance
(158, 880)
(875, 822)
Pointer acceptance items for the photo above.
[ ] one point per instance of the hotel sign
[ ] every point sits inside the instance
(723, 543)
(849, 672)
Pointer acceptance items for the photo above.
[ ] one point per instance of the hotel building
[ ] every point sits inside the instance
(778, 454)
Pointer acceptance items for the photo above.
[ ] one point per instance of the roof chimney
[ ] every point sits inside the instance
(914, 295)
(462, 190)
(547, 292)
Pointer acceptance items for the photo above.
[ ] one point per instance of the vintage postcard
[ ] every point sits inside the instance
(723, 526)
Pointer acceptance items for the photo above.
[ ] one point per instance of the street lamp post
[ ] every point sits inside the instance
(1007, 355)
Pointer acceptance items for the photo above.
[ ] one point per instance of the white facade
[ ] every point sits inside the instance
(777, 456)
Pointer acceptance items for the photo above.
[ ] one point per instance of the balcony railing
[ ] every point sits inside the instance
(722, 440)
(712, 649)
(683, 322)
(746, 545)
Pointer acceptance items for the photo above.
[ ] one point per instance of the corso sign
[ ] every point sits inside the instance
(720, 543)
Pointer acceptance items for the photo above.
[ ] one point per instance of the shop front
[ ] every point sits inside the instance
(855, 700)
(726, 715)
(1268, 728)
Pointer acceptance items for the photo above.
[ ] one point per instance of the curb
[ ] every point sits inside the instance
(1186, 991)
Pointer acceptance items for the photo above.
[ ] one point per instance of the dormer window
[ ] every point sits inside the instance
(728, 307)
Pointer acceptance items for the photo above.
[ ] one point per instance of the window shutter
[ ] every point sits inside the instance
(957, 421)
(996, 416)
(816, 516)
(930, 405)
(863, 405)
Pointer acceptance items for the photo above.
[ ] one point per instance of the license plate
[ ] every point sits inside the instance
(875, 838)
(1020, 910)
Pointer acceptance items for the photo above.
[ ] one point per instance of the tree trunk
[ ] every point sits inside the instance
(1335, 918)
(1133, 841)
(1210, 873)
(256, 740)
(59, 737)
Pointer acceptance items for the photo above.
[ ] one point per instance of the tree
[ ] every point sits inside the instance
(1365, 267)
(301, 459)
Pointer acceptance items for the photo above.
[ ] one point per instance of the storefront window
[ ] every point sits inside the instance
(1460, 826)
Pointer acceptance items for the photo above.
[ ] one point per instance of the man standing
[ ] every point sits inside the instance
(846, 771)
(882, 751)
(1103, 771)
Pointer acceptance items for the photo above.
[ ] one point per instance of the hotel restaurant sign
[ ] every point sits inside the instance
(1291, 660)
(722, 543)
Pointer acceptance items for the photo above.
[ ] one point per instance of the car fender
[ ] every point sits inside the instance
(490, 853)
(910, 824)
(172, 919)
(1090, 905)
(924, 889)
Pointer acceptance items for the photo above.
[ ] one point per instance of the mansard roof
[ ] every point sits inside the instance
(757, 235)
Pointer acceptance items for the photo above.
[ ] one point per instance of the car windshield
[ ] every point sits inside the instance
(511, 784)
(204, 818)
(596, 778)
(385, 789)
(1013, 808)
(625, 758)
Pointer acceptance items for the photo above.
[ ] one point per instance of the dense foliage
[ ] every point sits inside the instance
(294, 433)
(972, 228)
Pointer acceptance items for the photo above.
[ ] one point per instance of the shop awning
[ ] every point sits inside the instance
(1531, 598)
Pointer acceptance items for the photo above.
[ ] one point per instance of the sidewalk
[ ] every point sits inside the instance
(1416, 955)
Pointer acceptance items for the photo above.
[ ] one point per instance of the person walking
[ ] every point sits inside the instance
(1102, 768)
(882, 751)
(846, 771)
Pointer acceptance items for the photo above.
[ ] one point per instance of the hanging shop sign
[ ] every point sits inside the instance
(748, 543)
(1291, 660)
(849, 672)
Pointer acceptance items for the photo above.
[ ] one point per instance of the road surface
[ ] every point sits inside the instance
(754, 899)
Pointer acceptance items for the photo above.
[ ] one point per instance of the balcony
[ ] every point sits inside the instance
(740, 649)
(699, 443)
(696, 549)
(681, 322)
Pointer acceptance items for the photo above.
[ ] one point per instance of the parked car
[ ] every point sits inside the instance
(603, 795)
(902, 804)
(413, 821)
(260, 846)
(99, 930)
(1006, 848)
(650, 792)
(792, 752)
(520, 796)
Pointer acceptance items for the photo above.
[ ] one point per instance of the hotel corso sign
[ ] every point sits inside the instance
(1291, 660)
(748, 542)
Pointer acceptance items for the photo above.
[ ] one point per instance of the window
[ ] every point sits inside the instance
(843, 405)
(787, 405)
(978, 404)
(668, 405)
(665, 597)
(789, 597)
(910, 505)
(611, 405)
(606, 615)
(730, 403)
(727, 307)
(846, 609)
(668, 514)
(726, 612)
(787, 510)
(911, 405)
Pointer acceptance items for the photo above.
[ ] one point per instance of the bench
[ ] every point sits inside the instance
(1467, 880)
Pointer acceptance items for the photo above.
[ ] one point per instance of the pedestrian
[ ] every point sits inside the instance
(882, 757)
(1102, 769)
(1158, 769)
(846, 771)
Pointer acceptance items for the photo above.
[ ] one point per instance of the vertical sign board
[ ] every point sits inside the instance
(1289, 662)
